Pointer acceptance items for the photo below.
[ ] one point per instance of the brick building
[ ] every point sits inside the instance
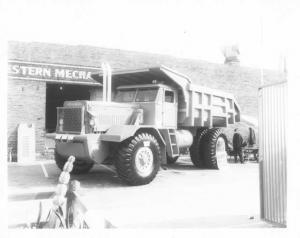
(41, 76)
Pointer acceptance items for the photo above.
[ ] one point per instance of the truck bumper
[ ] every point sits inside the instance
(84, 147)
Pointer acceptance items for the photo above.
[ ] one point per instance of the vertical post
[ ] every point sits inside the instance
(104, 86)
(108, 82)
(260, 157)
(192, 102)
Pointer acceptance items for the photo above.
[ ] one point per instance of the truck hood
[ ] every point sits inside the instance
(90, 105)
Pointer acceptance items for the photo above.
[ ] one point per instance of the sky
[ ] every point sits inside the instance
(262, 29)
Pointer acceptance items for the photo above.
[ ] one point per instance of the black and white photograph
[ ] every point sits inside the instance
(150, 115)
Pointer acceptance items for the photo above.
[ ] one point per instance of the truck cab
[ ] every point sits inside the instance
(158, 102)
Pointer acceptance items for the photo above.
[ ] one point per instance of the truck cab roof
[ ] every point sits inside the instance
(160, 73)
(153, 85)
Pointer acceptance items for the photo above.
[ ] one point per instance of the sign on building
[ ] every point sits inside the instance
(51, 72)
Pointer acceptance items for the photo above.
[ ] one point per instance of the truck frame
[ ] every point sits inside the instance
(156, 115)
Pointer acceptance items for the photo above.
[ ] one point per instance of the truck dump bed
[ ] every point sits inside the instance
(207, 108)
(197, 105)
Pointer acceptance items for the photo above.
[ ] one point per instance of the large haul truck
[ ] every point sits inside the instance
(147, 118)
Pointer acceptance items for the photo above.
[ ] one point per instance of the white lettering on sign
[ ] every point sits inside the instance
(75, 74)
(59, 73)
(46, 72)
(72, 74)
(29, 71)
(51, 71)
(68, 74)
(14, 69)
(88, 76)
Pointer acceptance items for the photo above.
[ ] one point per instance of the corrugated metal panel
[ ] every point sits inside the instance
(272, 144)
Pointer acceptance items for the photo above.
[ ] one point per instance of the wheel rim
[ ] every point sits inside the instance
(144, 161)
(221, 153)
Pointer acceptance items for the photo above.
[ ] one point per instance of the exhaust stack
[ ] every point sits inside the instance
(106, 69)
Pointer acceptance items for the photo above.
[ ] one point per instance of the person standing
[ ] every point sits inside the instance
(237, 142)
(252, 143)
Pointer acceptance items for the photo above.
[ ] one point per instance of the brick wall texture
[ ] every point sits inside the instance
(26, 104)
(29, 104)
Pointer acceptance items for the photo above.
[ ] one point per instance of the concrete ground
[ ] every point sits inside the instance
(180, 197)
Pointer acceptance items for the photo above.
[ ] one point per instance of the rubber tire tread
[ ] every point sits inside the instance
(209, 147)
(81, 167)
(196, 150)
(124, 162)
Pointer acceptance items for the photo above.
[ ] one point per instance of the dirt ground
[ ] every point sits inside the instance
(181, 196)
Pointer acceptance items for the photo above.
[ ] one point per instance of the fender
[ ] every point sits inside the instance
(87, 146)
(119, 133)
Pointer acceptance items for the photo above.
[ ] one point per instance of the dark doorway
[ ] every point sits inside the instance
(56, 94)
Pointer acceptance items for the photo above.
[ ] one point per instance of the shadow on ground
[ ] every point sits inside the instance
(28, 176)
(99, 177)
(27, 182)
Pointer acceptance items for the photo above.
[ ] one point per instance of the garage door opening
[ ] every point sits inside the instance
(56, 95)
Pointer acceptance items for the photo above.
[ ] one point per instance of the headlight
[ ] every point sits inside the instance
(61, 121)
(92, 122)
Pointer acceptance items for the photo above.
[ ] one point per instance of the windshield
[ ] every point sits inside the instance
(146, 95)
(125, 95)
(142, 95)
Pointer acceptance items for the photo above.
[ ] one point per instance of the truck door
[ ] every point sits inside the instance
(169, 109)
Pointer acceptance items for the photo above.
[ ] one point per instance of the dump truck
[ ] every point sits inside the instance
(147, 118)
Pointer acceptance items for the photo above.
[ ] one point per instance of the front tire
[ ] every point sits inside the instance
(138, 159)
(79, 166)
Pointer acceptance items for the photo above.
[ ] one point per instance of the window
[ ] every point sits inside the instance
(169, 96)
(125, 95)
(136, 95)
(146, 95)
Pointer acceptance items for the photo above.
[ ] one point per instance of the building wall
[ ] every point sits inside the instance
(243, 82)
(26, 103)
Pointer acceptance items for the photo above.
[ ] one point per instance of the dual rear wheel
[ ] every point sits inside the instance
(209, 149)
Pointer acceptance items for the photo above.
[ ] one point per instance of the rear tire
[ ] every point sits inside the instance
(215, 149)
(79, 166)
(196, 150)
(138, 159)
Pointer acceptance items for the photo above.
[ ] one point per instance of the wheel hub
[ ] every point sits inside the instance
(144, 161)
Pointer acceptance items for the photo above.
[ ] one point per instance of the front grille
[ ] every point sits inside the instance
(72, 119)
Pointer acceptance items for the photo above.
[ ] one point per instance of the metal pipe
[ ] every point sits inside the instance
(104, 86)
(108, 82)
